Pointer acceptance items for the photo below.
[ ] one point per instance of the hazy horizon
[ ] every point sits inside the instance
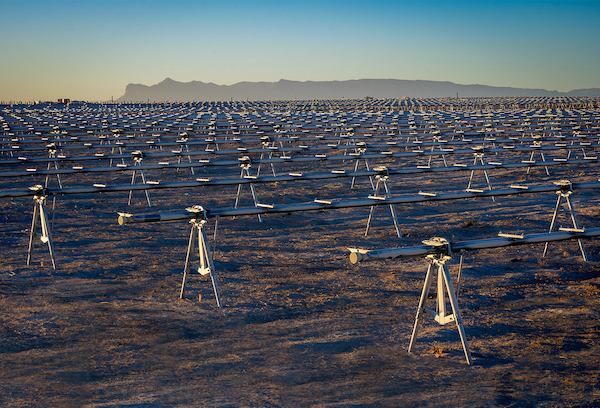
(91, 50)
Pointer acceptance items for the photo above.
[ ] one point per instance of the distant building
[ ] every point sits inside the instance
(59, 100)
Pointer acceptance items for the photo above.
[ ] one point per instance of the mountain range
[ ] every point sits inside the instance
(174, 91)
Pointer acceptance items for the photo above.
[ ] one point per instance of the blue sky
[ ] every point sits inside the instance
(91, 49)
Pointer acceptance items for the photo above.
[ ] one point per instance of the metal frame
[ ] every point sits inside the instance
(438, 251)
(479, 156)
(444, 285)
(52, 155)
(349, 203)
(565, 191)
(465, 147)
(184, 138)
(536, 144)
(138, 156)
(46, 238)
(206, 266)
(245, 163)
(382, 179)
(438, 139)
(267, 144)
(361, 149)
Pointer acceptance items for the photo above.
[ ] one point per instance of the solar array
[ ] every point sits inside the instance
(186, 146)
(285, 138)
(317, 204)
(438, 251)
(219, 135)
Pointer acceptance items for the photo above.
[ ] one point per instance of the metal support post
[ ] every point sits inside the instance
(565, 191)
(245, 164)
(537, 143)
(437, 138)
(206, 266)
(444, 285)
(267, 145)
(479, 156)
(52, 154)
(382, 178)
(183, 140)
(215, 234)
(459, 275)
(571, 150)
(137, 161)
(361, 150)
(112, 151)
(40, 208)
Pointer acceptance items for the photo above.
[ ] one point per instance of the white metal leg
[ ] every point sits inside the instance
(206, 266)
(440, 315)
(565, 192)
(40, 209)
(382, 181)
(138, 162)
(479, 156)
(245, 173)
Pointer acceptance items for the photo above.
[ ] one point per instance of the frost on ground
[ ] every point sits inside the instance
(301, 325)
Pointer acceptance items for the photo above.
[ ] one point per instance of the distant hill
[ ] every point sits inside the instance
(173, 91)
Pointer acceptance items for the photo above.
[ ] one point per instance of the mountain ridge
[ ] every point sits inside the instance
(170, 90)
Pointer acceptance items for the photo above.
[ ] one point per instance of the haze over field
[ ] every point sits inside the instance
(90, 50)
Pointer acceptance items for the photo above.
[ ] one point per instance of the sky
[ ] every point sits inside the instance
(91, 49)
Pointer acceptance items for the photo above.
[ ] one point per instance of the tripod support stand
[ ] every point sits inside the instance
(137, 161)
(565, 191)
(538, 143)
(245, 163)
(52, 155)
(382, 178)
(266, 144)
(479, 156)
(361, 150)
(184, 139)
(437, 138)
(40, 208)
(444, 285)
(206, 266)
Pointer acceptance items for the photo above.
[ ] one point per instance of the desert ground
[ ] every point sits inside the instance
(300, 325)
